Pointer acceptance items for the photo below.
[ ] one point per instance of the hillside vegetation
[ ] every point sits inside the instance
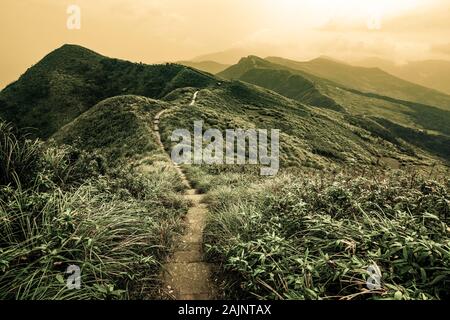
(119, 128)
(369, 80)
(72, 79)
(423, 126)
(363, 182)
(313, 235)
(310, 136)
(89, 204)
(429, 73)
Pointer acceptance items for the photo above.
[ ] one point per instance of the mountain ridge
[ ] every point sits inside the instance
(370, 80)
(433, 74)
(419, 124)
(320, 126)
(71, 79)
(295, 86)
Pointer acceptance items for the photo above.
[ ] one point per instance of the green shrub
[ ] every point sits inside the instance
(60, 206)
(313, 236)
(18, 159)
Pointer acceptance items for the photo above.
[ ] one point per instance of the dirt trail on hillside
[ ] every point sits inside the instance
(186, 275)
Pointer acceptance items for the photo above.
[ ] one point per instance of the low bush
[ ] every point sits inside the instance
(60, 206)
(314, 236)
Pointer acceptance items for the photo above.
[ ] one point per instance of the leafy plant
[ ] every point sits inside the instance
(314, 235)
(62, 206)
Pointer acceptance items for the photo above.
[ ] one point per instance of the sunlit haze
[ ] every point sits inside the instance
(153, 31)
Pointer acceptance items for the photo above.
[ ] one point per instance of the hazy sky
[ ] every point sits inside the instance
(169, 30)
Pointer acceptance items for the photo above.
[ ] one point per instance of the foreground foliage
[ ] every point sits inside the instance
(60, 206)
(314, 235)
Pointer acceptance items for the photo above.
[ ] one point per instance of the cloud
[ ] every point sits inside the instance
(373, 22)
(161, 30)
(434, 19)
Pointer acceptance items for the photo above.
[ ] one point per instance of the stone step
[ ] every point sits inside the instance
(188, 278)
(192, 237)
(188, 256)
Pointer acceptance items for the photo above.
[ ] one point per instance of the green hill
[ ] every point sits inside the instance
(433, 74)
(295, 85)
(100, 193)
(310, 137)
(423, 122)
(237, 70)
(71, 79)
(119, 128)
(371, 80)
(344, 130)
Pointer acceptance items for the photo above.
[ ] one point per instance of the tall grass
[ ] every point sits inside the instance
(313, 236)
(17, 158)
(60, 206)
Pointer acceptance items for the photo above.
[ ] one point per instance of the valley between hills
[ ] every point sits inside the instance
(87, 180)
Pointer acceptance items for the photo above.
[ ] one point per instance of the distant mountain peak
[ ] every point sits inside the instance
(75, 49)
(71, 79)
(328, 58)
(65, 56)
(251, 58)
(255, 61)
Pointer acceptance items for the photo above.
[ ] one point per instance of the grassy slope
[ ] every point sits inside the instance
(372, 80)
(313, 235)
(62, 205)
(424, 123)
(428, 73)
(290, 85)
(113, 200)
(309, 136)
(288, 82)
(71, 79)
(119, 127)
(309, 234)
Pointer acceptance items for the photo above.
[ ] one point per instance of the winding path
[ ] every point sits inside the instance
(186, 275)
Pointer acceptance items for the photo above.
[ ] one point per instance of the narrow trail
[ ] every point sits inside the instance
(187, 276)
